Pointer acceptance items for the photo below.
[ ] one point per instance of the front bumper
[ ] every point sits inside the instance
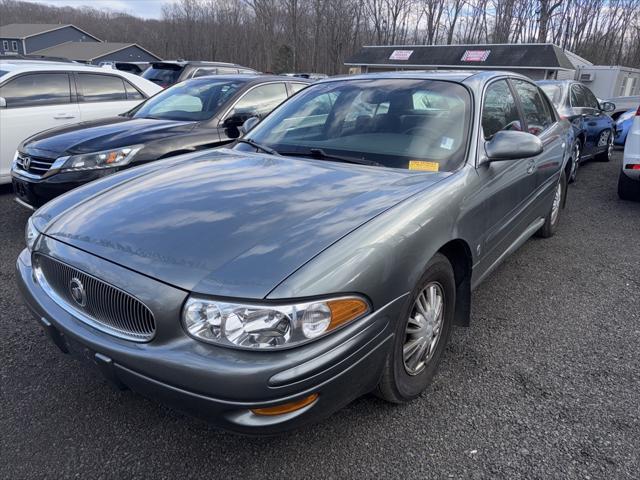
(35, 192)
(219, 384)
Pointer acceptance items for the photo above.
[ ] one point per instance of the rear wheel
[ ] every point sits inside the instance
(605, 139)
(628, 189)
(421, 334)
(552, 220)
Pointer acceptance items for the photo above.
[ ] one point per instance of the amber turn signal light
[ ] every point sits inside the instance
(345, 310)
(286, 407)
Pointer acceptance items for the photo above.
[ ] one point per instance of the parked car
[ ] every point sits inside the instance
(629, 178)
(624, 104)
(38, 96)
(167, 73)
(594, 129)
(328, 254)
(623, 125)
(193, 115)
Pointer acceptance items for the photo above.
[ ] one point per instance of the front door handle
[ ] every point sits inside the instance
(63, 116)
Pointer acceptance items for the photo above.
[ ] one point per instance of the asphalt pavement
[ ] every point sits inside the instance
(544, 384)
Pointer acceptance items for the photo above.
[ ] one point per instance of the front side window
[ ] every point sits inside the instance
(536, 111)
(132, 92)
(37, 89)
(102, 88)
(499, 111)
(194, 100)
(592, 101)
(296, 87)
(259, 101)
(375, 121)
(578, 99)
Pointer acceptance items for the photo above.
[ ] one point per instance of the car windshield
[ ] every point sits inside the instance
(194, 100)
(398, 123)
(164, 75)
(554, 92)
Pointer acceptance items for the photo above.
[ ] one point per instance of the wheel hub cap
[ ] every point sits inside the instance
(423, 328)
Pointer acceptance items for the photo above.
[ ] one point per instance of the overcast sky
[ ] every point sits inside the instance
(140, 8)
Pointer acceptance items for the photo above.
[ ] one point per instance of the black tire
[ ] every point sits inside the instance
(397, 385)
(628, 189)
(606, 155)
(551, 225)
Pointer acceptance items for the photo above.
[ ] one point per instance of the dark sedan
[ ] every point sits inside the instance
(327, 255)
(193, 115)
(594, 130)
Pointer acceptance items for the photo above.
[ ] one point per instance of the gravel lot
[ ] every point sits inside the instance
(545, 383)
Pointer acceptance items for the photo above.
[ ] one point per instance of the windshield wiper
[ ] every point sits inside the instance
(258, 146)
(322, 155)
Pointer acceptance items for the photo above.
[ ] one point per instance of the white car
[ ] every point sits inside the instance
(629, 180)
(38, 96)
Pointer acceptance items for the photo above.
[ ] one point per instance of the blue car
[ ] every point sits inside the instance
(623, 125)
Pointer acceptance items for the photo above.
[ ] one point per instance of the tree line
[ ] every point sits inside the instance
(318, 35)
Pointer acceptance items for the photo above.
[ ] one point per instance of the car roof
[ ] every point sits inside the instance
(449, 75)
(34, 66)
(252, 78)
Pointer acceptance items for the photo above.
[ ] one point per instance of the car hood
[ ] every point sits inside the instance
(231, 223)
(87, 137)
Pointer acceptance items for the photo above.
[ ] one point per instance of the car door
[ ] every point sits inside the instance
(258, 101)
(103, 95)
(34, 102)
(599, 124)
(580, 115)
(506, 185)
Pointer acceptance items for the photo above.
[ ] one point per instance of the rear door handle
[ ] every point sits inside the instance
(531, 166)
(63, 116)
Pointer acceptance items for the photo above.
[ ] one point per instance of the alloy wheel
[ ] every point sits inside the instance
(424, 328)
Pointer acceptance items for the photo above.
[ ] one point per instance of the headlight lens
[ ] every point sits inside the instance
(31, 234)
(268, 326)
(106, 159)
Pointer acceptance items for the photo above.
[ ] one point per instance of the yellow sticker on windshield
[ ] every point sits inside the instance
(424, 166)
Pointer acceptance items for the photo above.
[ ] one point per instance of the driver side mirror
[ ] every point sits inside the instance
(248, 125)
(3, 102)
(607, 106)
(512, 145)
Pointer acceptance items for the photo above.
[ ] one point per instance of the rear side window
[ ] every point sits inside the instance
(499, 111)
(164, 75)
(203, 72)
(535, 109)
(226, 70)
(102, 88)
(132, 92)
(296, 87)
(37, 89)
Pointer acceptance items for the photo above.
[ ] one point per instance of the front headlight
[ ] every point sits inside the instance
(31, 234)
(106, 159)
(268, 326)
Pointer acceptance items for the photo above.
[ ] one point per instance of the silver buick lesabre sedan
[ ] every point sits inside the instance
(327, 254)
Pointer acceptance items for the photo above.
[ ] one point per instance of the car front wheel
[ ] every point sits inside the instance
(421, 334)
(552, 220)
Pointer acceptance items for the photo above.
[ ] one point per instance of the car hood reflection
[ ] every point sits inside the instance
(224, 223)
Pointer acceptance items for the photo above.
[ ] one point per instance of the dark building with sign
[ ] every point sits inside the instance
(536, 60)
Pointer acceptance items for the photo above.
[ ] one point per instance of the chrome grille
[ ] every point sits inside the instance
(36, 165)
(105, 307)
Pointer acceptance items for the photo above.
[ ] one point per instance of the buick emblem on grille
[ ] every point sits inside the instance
(77, 292)
(26, 162)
